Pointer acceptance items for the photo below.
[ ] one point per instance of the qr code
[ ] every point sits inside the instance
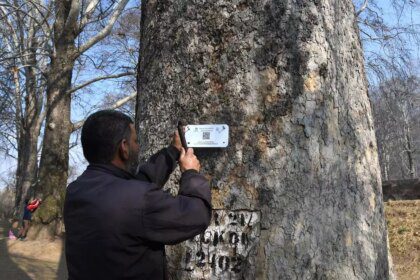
(206, 135)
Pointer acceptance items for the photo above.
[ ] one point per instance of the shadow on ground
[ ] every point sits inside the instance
(21, 260)
(62, 267)
(8, 268)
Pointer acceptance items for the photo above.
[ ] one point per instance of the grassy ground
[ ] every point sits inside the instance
(403, 219)
(24, 260)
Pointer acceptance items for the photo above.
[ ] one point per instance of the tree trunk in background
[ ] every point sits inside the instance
(29, 130)
(53, 170)
(297, 194)
(409, 148)
(71, 18)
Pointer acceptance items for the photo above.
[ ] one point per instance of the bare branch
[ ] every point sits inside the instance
(364, 6)
(123, 101)
(12, 30)
(44, 24)
(72, 17)
(106, 30)
(116, 105)
(88, 13)
(76, 88)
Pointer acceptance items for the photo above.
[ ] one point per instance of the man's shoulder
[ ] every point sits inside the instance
(107, 192)
(94, 179)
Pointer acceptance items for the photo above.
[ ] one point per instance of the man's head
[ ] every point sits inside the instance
(109, 137)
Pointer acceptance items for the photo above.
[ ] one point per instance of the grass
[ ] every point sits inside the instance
(403, 220)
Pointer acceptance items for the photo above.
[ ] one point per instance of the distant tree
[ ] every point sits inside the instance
(45, 43)
(388, 37)
(390, 32)
(25, 35)
(7, 195)
(7, 116)
(396, 104)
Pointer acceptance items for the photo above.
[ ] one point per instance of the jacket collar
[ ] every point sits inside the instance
(111, 169)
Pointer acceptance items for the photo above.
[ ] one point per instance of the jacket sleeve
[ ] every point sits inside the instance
(159, 167)
(33, 205)
(170, 220)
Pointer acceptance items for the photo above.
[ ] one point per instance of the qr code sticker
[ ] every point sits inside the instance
(206, 135)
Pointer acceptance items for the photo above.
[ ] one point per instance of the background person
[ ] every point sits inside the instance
(30, 207)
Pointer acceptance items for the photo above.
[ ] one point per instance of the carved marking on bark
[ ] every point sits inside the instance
(222, 250)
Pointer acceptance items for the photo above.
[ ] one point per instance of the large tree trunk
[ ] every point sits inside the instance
(53, 170)
(297, 194)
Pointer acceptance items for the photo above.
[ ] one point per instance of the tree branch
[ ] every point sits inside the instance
(76, 88)
(106, 30)
(88, 13)
(123, 101)
(12, 30)
(72, 17)
(364, 6)
(114, 106)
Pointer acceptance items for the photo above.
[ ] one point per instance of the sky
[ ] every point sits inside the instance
(86, 103)
(408, 15)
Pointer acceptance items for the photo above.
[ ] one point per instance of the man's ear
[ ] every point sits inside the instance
(124, 150)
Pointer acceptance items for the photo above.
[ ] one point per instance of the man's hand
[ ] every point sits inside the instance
(176, 141)
(188, 160)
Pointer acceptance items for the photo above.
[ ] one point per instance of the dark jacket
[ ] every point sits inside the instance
(117, 224)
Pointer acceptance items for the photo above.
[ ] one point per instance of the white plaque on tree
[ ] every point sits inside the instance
(207, 136)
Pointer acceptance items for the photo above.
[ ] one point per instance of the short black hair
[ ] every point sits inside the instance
(102, 132)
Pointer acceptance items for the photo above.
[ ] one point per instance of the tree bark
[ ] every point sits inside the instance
(55, 152)
(409, 150)
(28, 130)
(297, 194)
(53, 170)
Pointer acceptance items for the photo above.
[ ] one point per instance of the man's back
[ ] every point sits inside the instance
(117, 225)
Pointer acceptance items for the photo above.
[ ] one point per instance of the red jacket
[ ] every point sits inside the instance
(32, 206)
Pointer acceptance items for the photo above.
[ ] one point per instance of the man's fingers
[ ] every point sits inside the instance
(188, 160)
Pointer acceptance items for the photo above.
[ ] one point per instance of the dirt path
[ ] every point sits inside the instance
(22, 260)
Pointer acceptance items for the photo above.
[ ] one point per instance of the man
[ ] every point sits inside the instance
(117, 223)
